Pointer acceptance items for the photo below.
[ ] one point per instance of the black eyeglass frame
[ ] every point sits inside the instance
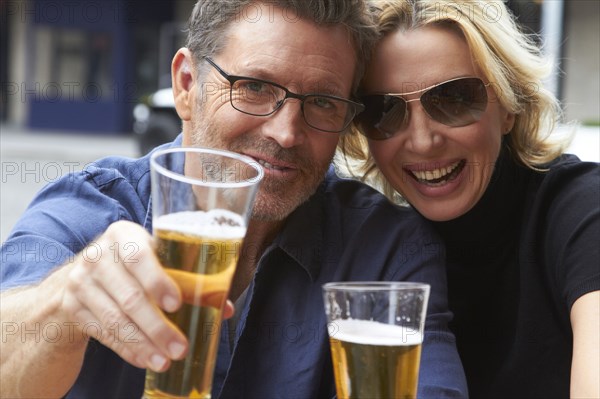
(357, 107)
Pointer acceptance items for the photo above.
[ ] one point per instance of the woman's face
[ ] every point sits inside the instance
(441, 170)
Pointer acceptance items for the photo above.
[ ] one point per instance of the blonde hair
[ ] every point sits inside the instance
(506, 56)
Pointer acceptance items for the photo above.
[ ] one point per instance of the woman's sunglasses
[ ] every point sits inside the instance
(457, 102)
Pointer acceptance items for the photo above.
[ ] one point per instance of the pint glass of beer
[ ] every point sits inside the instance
(201, 203)
(375, 333)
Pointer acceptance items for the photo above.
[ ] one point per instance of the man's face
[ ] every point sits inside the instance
(294, 53)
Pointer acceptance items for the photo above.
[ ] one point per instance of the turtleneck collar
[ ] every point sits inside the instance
(499, 208)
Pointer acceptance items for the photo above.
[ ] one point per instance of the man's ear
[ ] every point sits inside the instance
(183, 75)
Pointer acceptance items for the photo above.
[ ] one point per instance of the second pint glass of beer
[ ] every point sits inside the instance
(201, 204)
(375, 332)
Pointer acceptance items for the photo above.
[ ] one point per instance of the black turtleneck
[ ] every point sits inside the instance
(516, 263)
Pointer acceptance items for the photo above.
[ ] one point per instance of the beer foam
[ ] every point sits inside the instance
(216, 223)
(373, 333)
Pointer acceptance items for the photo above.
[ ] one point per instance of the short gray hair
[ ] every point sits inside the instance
(210, 20)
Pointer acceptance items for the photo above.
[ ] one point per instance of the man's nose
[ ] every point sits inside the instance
(286, 126)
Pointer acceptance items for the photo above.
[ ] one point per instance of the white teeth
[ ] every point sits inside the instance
(435, 174)
(268, 165)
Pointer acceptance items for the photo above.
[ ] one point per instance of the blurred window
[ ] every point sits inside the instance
(75, 62)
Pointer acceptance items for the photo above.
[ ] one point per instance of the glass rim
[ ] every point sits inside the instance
(375, 286)
(154, 165)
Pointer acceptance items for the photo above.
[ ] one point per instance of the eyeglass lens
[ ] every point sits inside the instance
(261, 98)
(455, 103)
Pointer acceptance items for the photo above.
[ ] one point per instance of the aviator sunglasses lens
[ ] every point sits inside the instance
(382, 117)
(455, 103)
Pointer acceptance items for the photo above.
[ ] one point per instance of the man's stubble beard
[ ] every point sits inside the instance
(276, 198)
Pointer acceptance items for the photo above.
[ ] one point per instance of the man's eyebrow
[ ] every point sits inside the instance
(328, 88)
(253, 71)
(318, 87)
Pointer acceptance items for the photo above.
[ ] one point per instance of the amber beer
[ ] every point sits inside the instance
(374, 360)
(200, 251)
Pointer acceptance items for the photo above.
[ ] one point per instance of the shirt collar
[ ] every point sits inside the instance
(302, 235)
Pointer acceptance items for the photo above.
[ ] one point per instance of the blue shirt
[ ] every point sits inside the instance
(345, 231)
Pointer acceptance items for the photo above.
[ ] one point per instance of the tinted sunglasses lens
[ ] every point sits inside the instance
(456, 103)
(382, 117)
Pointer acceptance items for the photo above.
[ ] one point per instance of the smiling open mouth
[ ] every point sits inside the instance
(439, 176)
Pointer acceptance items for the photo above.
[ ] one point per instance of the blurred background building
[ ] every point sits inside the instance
(81, 66)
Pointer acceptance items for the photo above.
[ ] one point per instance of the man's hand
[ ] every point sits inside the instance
(123, 291)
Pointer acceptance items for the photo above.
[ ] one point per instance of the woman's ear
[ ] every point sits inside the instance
(508, 123)
(183, 75)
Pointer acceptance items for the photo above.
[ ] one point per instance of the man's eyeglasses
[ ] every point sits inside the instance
(457, 102)
(262, 98)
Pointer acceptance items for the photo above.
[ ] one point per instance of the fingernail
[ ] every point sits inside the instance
(157, 362)
(176, 350)
(170, 304)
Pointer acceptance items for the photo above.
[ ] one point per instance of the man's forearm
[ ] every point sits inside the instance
(41, 351)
